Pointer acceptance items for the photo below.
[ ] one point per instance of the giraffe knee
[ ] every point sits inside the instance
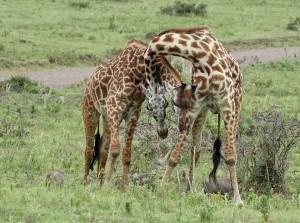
(127, 162)
(115, 150)
(231, 161)
(172, 163)
(115, 154)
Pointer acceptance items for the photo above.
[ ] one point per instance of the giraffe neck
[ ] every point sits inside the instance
(169, 74)
(204, 51)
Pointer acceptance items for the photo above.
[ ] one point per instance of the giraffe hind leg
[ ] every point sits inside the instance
(103, 153)
(114, 145)
(96, 148)
(230, 154)
(196, 148)
(90, 117)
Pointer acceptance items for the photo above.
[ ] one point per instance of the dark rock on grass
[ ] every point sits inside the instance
(55, 177)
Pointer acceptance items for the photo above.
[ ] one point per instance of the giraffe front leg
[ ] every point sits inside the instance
(103, 153)
(196, 148)
(230, 154)
(175, 155)
(126, 156)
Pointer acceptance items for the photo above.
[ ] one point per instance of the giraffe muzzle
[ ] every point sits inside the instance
(163, 132)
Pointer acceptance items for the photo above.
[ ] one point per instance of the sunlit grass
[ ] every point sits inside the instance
(69, 33)
(38, 135)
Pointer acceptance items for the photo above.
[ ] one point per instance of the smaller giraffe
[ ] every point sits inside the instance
(115, 91)
(216, 86)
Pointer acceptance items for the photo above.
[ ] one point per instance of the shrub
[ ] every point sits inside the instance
(184, 9)
(20, 84)
(264, 154)
(293, 25)
(80, 4)
(71, 58)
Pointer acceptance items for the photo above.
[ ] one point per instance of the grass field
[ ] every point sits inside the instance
(79, 32)
(41, 128)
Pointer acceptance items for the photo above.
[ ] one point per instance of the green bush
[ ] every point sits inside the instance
(184, 9)
(20, 84)
(80, 4)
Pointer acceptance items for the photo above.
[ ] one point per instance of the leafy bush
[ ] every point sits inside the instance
(184, 9)
(293, 25)
(20, 84)
(71, 58)
(80, 4)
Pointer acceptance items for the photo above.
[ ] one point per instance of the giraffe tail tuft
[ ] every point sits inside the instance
(96, 148)
(216, 156)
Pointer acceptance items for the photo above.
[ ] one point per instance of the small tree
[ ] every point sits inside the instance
(264, 155)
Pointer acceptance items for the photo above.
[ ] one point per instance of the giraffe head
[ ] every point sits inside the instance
(157, 105)
(183, 101)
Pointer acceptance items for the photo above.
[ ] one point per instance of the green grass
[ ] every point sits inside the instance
(71, 33)
(274, 83)
(41, 129)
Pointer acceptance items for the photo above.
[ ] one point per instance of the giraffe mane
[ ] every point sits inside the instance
(136, 43)
(187, 30)
(141, 44)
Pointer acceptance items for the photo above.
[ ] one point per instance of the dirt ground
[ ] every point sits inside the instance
(60, 78)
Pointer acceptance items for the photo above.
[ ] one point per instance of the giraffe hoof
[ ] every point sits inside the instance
(239, 202)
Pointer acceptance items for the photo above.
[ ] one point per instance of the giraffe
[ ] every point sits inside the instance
(116, 92)
(216, 86)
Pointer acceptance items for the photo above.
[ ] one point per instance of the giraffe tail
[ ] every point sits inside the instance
(216, 157)
(96, 148)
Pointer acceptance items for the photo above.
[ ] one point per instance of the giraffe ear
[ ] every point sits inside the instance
(194, 86)
(145, 91)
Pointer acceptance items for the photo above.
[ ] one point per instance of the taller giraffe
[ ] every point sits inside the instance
(216, 86)
(115, 91)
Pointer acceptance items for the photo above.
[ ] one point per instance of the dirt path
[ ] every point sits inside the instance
(60, 78)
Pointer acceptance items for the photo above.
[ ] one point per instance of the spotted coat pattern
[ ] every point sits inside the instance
(115, 92)
(216, 85)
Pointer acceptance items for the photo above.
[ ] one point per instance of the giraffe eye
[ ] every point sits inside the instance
(149, 108)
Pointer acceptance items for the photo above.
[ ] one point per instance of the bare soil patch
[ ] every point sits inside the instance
(65, 77)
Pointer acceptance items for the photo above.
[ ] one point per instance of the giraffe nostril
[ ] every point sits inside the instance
(163, 133)
(181, 126)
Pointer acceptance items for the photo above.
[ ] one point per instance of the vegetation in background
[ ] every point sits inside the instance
(184, 9)
(36, 34)
(41, 128)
